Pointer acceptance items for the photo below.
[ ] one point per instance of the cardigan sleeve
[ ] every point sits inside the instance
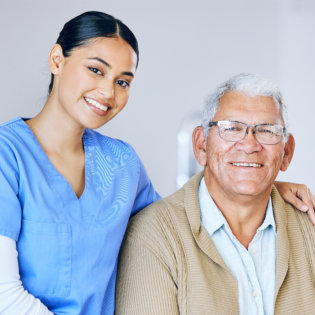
(13, 298)
(146, 283)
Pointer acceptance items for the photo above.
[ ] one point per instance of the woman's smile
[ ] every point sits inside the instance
(97, 107)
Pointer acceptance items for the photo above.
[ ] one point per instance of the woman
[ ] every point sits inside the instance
(67, 192)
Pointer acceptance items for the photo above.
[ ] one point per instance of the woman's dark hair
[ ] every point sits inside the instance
(79, 30)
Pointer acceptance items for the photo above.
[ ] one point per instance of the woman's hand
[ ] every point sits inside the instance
(299, 196)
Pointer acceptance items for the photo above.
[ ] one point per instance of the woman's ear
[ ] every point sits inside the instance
(199, 145)
(56, 59)
(288, 153)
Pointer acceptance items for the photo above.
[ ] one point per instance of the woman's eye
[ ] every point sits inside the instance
(95, 70)
(122, 83)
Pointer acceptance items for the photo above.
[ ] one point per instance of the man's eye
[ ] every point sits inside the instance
(95, 70)
(232, 129)
(266, 131)
(122, 83)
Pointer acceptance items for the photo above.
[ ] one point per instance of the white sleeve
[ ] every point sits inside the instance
(14, 300)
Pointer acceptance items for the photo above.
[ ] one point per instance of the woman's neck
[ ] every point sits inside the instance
(55, 130)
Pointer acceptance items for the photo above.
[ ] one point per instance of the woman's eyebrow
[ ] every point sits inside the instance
(109, 66)
(101, 60)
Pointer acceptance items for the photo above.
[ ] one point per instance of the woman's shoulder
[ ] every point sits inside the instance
(108, 144)
(12, 132)
(12, 124)
(12, 148)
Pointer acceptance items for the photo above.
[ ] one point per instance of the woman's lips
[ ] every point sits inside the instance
(97, 107)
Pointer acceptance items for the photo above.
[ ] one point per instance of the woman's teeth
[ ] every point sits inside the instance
(96, 104)
(247, 164)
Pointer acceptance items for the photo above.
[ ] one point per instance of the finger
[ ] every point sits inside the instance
(311, 211)
(296, 201)
(311, 214)
(304, 194)
(312, 197)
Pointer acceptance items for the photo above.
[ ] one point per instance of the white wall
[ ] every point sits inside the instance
(297, 78)
(186, 49)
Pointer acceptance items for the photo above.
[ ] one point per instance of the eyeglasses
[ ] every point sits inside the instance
(234, 131)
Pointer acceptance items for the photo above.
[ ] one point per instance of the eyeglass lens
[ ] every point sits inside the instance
(236, 131)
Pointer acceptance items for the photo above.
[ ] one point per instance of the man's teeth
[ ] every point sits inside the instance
(96, 104)
(247, 164)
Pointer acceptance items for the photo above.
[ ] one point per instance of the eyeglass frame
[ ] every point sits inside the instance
(217, 123)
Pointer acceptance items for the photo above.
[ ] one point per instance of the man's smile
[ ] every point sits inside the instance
(247, 164)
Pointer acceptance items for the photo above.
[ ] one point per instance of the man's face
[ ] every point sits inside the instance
(245, 167)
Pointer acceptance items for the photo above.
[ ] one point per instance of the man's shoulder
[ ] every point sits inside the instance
(294, 231)
(168, 215)
(302, 219)
(297, 222)
(159, 213)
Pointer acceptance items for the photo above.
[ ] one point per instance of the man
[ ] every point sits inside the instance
(226, 242)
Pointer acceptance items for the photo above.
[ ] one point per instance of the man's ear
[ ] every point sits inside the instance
(288, 153)
(56, 59)
(199, 145)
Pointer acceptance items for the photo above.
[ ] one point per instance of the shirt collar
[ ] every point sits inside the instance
(212, 218)
(269, 218)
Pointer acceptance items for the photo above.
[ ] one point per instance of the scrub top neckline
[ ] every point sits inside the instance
(53, 170)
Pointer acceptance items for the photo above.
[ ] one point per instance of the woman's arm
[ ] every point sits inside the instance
(298, 195)
(146, 193)
(13, 298)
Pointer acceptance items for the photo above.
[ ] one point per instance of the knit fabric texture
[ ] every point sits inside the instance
(169, 264)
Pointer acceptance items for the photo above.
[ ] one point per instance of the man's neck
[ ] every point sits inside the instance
(244, 213)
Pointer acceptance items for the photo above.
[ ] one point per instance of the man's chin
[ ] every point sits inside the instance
(248, 189)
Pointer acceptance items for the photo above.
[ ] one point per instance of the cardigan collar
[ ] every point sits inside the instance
(205, 243)
(192, 208)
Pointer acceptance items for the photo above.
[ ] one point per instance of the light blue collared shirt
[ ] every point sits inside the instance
(255, 268)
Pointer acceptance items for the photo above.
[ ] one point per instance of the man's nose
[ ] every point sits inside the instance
(249, 143)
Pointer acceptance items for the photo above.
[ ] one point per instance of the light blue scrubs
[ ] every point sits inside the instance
(68, 247)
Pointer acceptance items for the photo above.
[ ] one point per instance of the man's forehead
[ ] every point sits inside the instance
(238, 103)
(242, 98)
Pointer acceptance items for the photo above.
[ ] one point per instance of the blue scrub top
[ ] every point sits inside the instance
(68, 247)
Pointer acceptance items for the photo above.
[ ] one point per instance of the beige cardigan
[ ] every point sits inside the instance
(169, 264)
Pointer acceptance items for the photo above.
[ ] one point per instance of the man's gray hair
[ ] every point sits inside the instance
(246, 83)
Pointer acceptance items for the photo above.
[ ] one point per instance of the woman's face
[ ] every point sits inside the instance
(92, 85)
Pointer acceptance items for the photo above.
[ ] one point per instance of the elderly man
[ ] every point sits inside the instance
(226, 242)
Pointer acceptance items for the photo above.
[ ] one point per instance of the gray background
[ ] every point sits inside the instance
(187, 48)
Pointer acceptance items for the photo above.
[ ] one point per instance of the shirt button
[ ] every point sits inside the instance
(255, 293)
(254, 250)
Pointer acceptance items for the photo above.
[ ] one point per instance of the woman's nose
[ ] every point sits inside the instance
(106, 89)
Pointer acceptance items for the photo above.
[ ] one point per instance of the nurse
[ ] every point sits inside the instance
(66, 191)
